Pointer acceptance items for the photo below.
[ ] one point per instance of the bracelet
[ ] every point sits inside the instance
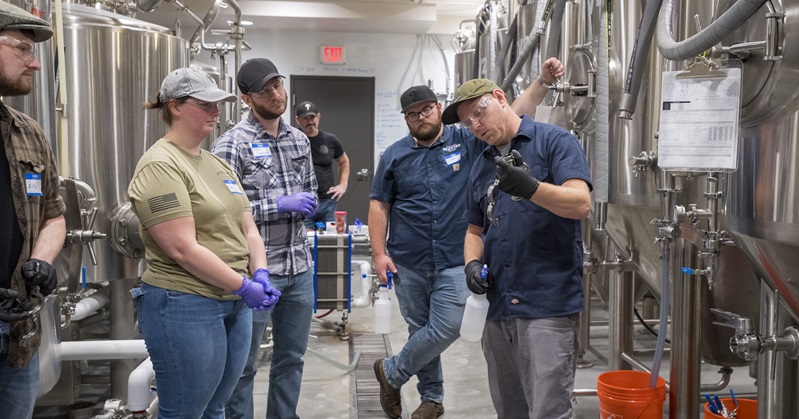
(543, 83)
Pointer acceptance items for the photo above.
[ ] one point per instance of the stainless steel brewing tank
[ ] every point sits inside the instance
(114, 64)
(763, 194)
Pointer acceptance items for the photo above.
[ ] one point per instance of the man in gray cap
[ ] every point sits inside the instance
(418, 194)
(526, 195)
(273, 162)
(33, 227)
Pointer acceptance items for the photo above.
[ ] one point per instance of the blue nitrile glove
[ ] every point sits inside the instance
(41, 273)
(261, 276)
(254, 295)
(12, 309)
(302, 202)
(513, 179)
(477, 278)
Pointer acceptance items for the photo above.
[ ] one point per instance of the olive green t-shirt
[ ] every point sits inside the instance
(171, 183)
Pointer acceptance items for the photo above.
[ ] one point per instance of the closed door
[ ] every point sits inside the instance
(347, 107)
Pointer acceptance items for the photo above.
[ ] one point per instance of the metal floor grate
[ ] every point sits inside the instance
(364, 389)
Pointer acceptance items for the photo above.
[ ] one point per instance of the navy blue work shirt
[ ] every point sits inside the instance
(425, 188)
(536, 256)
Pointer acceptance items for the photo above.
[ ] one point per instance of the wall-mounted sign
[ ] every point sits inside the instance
(333, 55)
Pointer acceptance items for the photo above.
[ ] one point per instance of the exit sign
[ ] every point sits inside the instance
(333, 55)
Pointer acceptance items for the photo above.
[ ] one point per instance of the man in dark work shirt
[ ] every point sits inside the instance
(325, 148)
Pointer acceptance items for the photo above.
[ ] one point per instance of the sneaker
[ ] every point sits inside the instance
(389, 396)
(428, 410)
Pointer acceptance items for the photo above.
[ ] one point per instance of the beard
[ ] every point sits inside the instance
(268, 114)
(19, 87)
(427, 131)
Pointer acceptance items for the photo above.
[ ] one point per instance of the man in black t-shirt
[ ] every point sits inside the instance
(325, 148)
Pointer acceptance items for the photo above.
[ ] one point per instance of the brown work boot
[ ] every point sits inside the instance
(389, 396)
(428, 410)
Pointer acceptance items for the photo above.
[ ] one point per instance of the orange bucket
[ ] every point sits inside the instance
(627, 395)
(747, 409)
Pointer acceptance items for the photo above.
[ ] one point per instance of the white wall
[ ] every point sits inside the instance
(396, 61)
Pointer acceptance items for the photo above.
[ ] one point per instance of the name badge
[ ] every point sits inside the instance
(261, 150)
(33, 184)
(453, 160)
(234, 188)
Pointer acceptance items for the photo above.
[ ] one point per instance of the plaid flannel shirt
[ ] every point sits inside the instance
(269, 168)
(28, 153)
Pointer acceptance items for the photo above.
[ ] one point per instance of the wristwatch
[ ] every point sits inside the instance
(543, 83)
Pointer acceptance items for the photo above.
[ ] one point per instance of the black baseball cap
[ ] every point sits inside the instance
(254, 74)
(417, 94)
(304, 109)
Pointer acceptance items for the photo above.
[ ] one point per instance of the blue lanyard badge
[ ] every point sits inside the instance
(454, 160)
(234, 188)
(260, 151)
(33, 184)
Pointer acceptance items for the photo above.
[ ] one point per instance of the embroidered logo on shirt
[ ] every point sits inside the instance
(323, 149)
(163, 202)
(451, 148)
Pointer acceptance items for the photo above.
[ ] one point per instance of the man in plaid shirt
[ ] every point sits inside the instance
(273, 162)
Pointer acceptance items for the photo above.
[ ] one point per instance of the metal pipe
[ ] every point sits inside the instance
(686, 317)
(122, 328)
(620, 313)
(777, 376)
(139, 386)
(91, 350)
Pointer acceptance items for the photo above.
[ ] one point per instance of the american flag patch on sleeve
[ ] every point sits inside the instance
(163, 202)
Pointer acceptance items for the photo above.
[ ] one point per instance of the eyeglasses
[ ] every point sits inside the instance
(476, 114)
(206, 106)
(25, 49)
(425, 112)
(269, 89)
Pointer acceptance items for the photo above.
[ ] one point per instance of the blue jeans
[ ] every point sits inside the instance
(432, 303)
(325, 212)
(291, 323)
(198, 347)
(19, 385)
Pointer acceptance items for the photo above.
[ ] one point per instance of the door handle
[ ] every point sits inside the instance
(363, 174)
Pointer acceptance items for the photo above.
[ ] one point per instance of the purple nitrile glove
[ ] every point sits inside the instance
(261, 276)
(253, 294)
(302, 202)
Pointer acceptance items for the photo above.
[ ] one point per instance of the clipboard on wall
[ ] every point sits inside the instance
(700, 118)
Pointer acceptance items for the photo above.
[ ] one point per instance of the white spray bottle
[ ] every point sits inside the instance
(474, 314)
(383, 309)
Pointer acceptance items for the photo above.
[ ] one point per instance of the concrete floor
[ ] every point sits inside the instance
(326, 389)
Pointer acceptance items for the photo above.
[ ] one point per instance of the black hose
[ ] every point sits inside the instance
(643, 323)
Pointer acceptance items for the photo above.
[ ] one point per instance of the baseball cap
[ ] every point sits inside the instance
(469, 90)
(304, 109)
(254, 74)
(417, 94)
(190, 81)
(12, 17)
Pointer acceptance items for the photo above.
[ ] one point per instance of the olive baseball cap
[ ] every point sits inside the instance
(12, 17)
(469, 90)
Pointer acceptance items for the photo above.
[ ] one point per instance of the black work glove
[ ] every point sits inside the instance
(474, 277)
(513, 179)
(11, 308)
(41, 273)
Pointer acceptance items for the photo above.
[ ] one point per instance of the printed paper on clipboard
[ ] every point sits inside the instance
(699, 120)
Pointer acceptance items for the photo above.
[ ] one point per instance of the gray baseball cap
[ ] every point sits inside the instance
(189, 81)
(12, 17)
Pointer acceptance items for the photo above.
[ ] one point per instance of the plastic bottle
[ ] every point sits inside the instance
(383, 311)
(474, 314)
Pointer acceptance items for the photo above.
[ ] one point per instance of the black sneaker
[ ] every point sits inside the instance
(390, 398)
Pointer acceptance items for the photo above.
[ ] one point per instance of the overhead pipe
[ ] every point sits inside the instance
(528, 45)
(706, 38)
(493, 34)
(635, 71)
